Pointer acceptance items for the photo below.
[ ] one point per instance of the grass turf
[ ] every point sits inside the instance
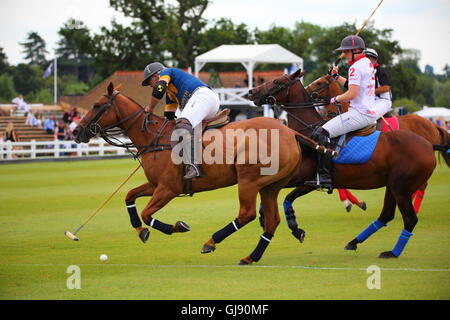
(39, 201)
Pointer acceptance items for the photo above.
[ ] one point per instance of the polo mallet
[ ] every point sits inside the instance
(73, 236)
(360, 29)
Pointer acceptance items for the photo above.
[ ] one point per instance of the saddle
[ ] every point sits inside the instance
(219, 120)
(357, 146)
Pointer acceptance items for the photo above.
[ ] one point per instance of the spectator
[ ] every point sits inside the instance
(66, 117)
(38, 120)
(31, 119)
(246, 80)
(21, 105)
(49, 125)
(73, 114)
(72, 126)
(11, 135)
(61, 134)
(61, 131)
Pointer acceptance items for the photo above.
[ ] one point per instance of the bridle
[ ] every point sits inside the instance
(315, 94)
(267, 96)
(109, 133)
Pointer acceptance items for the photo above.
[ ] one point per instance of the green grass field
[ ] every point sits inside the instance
(40, 201)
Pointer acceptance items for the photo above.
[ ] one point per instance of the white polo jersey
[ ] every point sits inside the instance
(362, 74)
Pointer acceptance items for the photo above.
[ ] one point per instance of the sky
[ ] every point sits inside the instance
(422, 25)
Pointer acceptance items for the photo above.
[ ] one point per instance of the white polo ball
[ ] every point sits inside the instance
(103, 257)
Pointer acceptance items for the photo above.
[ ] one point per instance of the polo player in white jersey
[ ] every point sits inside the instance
(360, 94)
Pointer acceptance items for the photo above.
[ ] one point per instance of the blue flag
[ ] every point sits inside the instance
(48, 71)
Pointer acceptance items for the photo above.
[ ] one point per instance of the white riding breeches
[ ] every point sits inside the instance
(349, 121)
(382, 106)
(203, 105)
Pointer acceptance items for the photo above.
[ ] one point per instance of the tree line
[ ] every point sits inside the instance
(175, 33)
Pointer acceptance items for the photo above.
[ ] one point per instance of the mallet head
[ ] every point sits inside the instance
(71, 236)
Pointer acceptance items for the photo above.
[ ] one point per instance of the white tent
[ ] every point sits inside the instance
(434, 113)
(249, 55)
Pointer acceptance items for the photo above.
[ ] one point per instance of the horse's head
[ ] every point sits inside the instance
(326, 86)
(275, 91)
(320, 87)
(99, 117)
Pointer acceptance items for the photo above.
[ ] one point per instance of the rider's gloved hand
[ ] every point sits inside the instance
(332, 100)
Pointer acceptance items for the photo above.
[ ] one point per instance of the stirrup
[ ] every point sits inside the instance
(192, 171)
(319, 185)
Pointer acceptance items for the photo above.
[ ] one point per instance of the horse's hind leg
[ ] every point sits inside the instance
(247, 213)
(404, 203)
(272, 220)
(387, 214)
(289, 212)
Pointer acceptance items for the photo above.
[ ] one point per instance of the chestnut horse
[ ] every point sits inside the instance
(151, 135)
(410, 163)
(326, 86)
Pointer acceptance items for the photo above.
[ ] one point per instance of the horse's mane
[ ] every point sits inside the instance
(132, 100)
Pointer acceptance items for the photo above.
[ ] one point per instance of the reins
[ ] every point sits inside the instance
(110, 133)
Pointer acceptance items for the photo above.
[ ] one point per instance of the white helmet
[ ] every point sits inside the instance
(369, 52)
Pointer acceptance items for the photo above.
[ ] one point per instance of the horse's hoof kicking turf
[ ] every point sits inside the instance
(387, 255)
(299, 234)
(181, 226)
(144, 234)
(207, 248)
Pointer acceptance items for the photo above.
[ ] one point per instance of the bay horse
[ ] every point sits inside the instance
(151, 135)
(326, 86)
(410, 163)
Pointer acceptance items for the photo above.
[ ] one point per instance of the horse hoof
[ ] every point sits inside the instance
(363, 206)
(387, 255)
(144, 234)
(299, 234)
(351, 246)
(207, 248)
(245, 261)
(181, 226)
(348, 208)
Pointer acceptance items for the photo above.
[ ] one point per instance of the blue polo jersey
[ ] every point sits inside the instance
(181, 86)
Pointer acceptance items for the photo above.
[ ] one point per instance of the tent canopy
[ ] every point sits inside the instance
(249, 55)
(434, 113)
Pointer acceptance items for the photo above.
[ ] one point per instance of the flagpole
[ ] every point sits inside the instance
(55, 88)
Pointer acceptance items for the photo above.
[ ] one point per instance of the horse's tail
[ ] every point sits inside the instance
(444, 146)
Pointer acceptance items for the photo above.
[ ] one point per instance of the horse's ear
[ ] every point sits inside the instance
(118, 88)
(297, 74)
(110, 89)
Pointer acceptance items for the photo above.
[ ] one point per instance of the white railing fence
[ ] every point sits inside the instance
(233, 96)
(58, 149)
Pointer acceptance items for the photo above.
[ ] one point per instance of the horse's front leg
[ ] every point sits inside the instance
(145, 190)
(161, 197)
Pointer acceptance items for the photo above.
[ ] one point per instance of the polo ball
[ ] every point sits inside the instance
(103, 257)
